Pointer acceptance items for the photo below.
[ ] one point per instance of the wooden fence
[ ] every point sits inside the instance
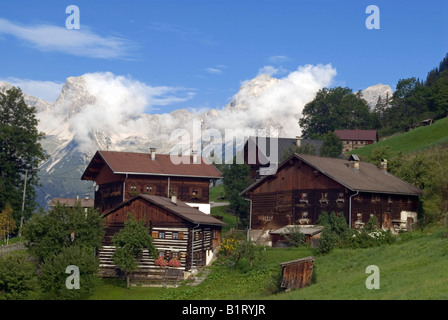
(12, 247)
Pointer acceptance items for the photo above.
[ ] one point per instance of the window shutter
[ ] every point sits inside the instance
(155, 234)
(181, 235)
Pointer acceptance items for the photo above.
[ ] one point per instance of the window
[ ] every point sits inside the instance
(162, 254)
(162, 235)
(389, 199)
(175, 254)
(149, 189)
(376, 198)
(304, 197)
(325, 195)
(340, 197)
(175, 235)
(305, 214)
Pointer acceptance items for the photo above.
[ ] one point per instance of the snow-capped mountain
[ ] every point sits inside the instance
(102, 111)
(372, 93)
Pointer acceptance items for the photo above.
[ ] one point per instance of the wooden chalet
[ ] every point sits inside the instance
(119, 176)
(179, 231)
(306, 185)
(264, 161)
(354, 139)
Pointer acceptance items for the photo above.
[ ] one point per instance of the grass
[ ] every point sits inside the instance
(415, 267)
(415, 140)
(216, 194)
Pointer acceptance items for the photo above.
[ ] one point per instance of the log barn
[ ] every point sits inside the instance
(178, 231)
(119, 176)
(304, 186)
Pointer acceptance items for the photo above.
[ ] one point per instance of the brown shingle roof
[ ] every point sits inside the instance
(181, 209)
(71, 202)
(369, 178)
(367, 135)
(141, 163)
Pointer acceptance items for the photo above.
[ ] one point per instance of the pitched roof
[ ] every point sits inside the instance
(71, 202)
(141, 163)
(369, 178)
(179, 208)
(357, 134)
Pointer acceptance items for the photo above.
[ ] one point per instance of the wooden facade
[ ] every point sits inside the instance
(305, 186)
(178, 231)
(119, 176)
(297, 273)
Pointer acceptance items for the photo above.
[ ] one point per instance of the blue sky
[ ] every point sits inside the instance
(203, 50)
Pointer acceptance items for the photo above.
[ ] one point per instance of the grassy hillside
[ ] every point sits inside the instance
(415, 140)
(415, 267)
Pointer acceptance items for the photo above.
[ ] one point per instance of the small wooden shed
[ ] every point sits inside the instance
(297, 273)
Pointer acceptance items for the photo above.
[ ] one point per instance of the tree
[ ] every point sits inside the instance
(62, 227)
(20, 152)
(7, 223)
(129, 243)
(18, 279)
(247, 249)
(53, 274)
(306, 149)
(331, 146)
(295, 236)
(236, 179)
(335, 108)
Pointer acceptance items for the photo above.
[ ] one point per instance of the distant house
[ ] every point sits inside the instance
(354, 139)
(119, 176)
(306, 185)
(179, 232)
(85, 202)
(257, 152)
(427, 122)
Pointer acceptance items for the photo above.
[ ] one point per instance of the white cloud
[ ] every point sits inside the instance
(214, 71)
(82, 42)
(271, 71)
(120, 103)
(278, 59)
(46, 90)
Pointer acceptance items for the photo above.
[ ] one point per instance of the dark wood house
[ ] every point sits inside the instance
(305, 185)
(263, 155)
(179, 232)
(119, 176)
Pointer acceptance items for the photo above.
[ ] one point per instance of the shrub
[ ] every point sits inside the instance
(17, 277)
(295, 237)
(53, 277)
(228, 246)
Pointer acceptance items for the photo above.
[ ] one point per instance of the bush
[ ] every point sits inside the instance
(53, 277)
(295, 237)
(17, 277)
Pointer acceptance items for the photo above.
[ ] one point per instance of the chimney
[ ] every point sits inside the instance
(354, 162)
(86, 197)
(174, 198)
(153, 153)
(384, 165)
(195, 157)
(298, 141)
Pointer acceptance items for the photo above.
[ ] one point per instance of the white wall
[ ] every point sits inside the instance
(203, 207)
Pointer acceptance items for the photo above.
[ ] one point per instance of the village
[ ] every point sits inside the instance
(173, 202)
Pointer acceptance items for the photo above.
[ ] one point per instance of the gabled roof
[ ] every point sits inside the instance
(367, 135)
(141, 163)
(179, 208)
(369, 178)
(71, 202)
(284, 144)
